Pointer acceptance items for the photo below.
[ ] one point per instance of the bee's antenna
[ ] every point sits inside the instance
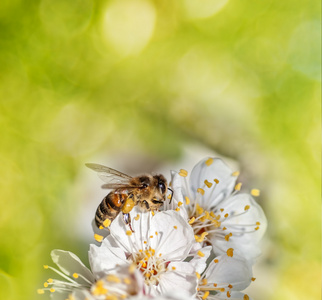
(171, 195)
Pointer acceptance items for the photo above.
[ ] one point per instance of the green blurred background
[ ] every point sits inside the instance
(136, 84)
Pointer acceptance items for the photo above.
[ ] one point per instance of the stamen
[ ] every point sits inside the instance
(255, 192)
(128, 232)
(52, 290)
(228, 236)
(198, 275)
(180, 203)
(253, 278)
(208, 184)
(192, 220)
(183, 173)
(246, 297)
(247, 207)
(40, 291)
(230, 252)
(100, 227)
(209, 161)
(75, 275)
(187, 200)
(228, 294)
(216, 180)
(201, 191)
(235, 174)
(205, 295)
(201, 254)
(216, 260)
(238, 186)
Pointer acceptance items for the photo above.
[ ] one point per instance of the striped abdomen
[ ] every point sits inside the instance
(109, 208)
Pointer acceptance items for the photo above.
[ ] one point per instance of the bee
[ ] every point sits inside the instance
(146, 191)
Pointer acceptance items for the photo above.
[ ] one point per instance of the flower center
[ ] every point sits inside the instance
(151, 265)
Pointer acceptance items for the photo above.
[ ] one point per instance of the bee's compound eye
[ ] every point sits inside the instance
(162, 187)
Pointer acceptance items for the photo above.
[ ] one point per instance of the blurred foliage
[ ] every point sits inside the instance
(85, 78)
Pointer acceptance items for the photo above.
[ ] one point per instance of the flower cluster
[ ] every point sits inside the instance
(201, 245)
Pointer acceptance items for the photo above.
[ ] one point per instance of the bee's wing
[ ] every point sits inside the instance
(110, 176)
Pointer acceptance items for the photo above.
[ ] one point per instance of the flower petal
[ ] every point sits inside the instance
(69, 264)
(105, 258)
(175, 236)
(182, 279)
(230, 270)
(217, 192)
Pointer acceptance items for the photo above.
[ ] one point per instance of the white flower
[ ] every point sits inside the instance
(226, 275)
(216, 212)
(80, 283)
(158, 247)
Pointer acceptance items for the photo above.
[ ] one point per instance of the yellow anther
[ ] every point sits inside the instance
(238, 186)
(236, 173)
(198, 275)
(100, 227)
(204, 281)
(209, 161)
(183, 173)
(247, 207)
(230, 286)
(192, 220)
(156, 233)
(216, 260)
(180, 203)
(228, 294)
(45, 266)
(216, 180)
(187, 200)
(160, 254)
(230, 252)
(173, 268)
(137, 217)
(40, 291)
(222, 209)
(224, 228)
(253, 278)
(257, 228)
(113, 278)
(201, 191)
(148, 275)
(169, 196)
(107, 222)
(226, 215)
(201, 254)
(75, 275)
(98, 238)
(132, 268)
(127, 281)
(50, 280)
(177, 209)
(145, 242)
(152, 213)
(255, 192)
(205, 295)
(246, 297)
(175, 227)
(208, 184)
(128, 232)
(258, 223)
(212, 214)
(201, 238)
(45, 284)
(52, 290)
(228, 236)
(222, 290)
(151, 236)
(199, 209)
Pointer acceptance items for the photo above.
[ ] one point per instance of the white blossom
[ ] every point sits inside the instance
(218, 214)
(159, 247)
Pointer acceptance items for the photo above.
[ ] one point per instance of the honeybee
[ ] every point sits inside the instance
(146, 191)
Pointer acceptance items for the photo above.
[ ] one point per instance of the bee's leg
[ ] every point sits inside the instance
(127, 220)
